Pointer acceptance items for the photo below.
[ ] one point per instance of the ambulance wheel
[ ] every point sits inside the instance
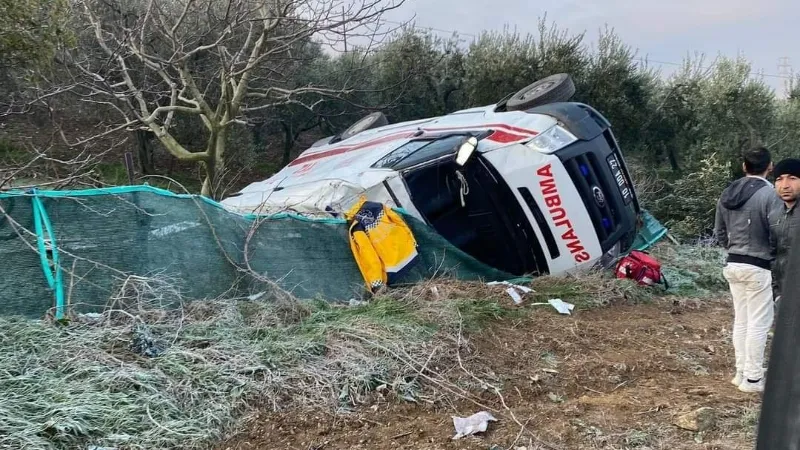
(374, 120)
(552, 89)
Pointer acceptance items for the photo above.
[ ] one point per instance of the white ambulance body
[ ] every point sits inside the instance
(545, 190)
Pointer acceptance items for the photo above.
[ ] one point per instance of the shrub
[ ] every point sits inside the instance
(689, 206)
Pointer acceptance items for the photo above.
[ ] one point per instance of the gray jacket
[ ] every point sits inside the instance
(742, 221)
(784, 224)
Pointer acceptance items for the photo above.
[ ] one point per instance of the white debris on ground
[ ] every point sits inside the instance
(515, 291)
(561, 306)
(476, 423)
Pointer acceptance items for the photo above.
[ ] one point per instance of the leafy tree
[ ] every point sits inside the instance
(688, 208)
(784, 140)
(499, 64)
(419, 74)
(624, 91)
(31, 30)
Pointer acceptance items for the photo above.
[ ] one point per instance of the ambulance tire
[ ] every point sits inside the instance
(374, 120)
(552, 89)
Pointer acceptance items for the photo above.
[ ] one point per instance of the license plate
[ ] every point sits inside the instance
(619, 177)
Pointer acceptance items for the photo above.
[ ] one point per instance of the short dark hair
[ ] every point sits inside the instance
(756, 160)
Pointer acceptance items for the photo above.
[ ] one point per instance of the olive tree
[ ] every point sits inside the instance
(30, 30)
(421, 73)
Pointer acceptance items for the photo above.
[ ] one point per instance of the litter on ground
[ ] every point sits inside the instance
(476, 423)
(515, 291)
(561, 306)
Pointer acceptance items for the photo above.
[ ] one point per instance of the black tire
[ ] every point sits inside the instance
(552, 89)
(374, 120)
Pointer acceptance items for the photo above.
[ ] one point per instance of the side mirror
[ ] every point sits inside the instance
(465, 150)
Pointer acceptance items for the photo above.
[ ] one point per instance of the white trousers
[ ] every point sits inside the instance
(751, 289)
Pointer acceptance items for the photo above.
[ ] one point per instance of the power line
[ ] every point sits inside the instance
(665, 63)
(433, 29)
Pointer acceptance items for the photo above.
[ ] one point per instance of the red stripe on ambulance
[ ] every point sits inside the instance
(559, 215)
(512, 135)
(505, 137)
(350, 148)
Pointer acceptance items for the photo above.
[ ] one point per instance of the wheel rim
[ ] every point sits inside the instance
(537, 89)
(361, 125)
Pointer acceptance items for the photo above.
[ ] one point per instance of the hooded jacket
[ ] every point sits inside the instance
(784, 224)
(742, 222)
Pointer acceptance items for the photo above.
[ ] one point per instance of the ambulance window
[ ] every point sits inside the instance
(399, 153)
(415, 152)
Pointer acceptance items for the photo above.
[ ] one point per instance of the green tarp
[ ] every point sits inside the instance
(103, 236)
(650, 232)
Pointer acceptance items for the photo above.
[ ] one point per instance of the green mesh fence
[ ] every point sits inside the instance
(103, 236)
(650, 231)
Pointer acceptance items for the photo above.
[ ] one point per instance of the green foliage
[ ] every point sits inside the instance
(692, 270)
(498, 64)
(785, 137)
(31, 30)
(688, 209)
(614, 83)
(721, 109)
(418, 74)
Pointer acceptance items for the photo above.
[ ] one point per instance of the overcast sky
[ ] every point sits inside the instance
(662, 30)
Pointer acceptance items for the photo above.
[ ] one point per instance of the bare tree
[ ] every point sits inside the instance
(35, 164)
(211, 61)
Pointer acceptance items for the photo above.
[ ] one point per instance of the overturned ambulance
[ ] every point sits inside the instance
(531, 185)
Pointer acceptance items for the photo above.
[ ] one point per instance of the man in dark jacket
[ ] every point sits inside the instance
(784, 221)
(742, 227)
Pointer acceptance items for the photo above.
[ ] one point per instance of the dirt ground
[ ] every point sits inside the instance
(611, 378)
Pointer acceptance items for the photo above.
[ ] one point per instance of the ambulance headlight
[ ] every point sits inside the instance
(552, 140)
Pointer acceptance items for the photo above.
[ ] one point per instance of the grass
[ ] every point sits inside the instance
(638, 438)
(68, 387)
(476, 314)
(692, 270)
(11, 152)
(749, 417)
(593, 290)
(78, 385)
(81, 385)
(112, 173)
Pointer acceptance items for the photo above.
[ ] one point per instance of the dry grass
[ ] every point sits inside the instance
(589, 289)
(88, 383)
(141, 376)
(692, 270)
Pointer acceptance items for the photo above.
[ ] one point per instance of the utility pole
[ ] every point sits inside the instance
(785, 71)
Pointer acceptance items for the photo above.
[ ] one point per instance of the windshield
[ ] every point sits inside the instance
(415, 152)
